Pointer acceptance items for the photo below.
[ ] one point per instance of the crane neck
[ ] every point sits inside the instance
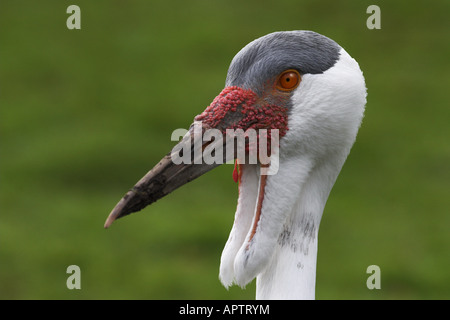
(293, 266)
(291, 272)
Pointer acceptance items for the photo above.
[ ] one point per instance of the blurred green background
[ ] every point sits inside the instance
(84, 114)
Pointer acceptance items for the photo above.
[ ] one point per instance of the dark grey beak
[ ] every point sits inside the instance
(164, 178)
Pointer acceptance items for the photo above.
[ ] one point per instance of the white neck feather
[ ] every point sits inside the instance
(289, 269)
(293, 264)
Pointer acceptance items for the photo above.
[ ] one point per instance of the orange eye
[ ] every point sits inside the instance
(288, 80)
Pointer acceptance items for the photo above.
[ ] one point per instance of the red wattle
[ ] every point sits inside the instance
(235, 172)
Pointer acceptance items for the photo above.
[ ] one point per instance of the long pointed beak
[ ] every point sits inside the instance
(164, 178)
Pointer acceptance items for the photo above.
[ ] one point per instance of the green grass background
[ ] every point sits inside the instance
(84, 114)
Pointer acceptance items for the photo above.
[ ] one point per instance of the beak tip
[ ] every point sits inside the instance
(125, 206)
(107, 224)
(109, 220)
(115, 213)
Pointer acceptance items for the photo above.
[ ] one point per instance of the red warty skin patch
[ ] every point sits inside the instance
(237, 108)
